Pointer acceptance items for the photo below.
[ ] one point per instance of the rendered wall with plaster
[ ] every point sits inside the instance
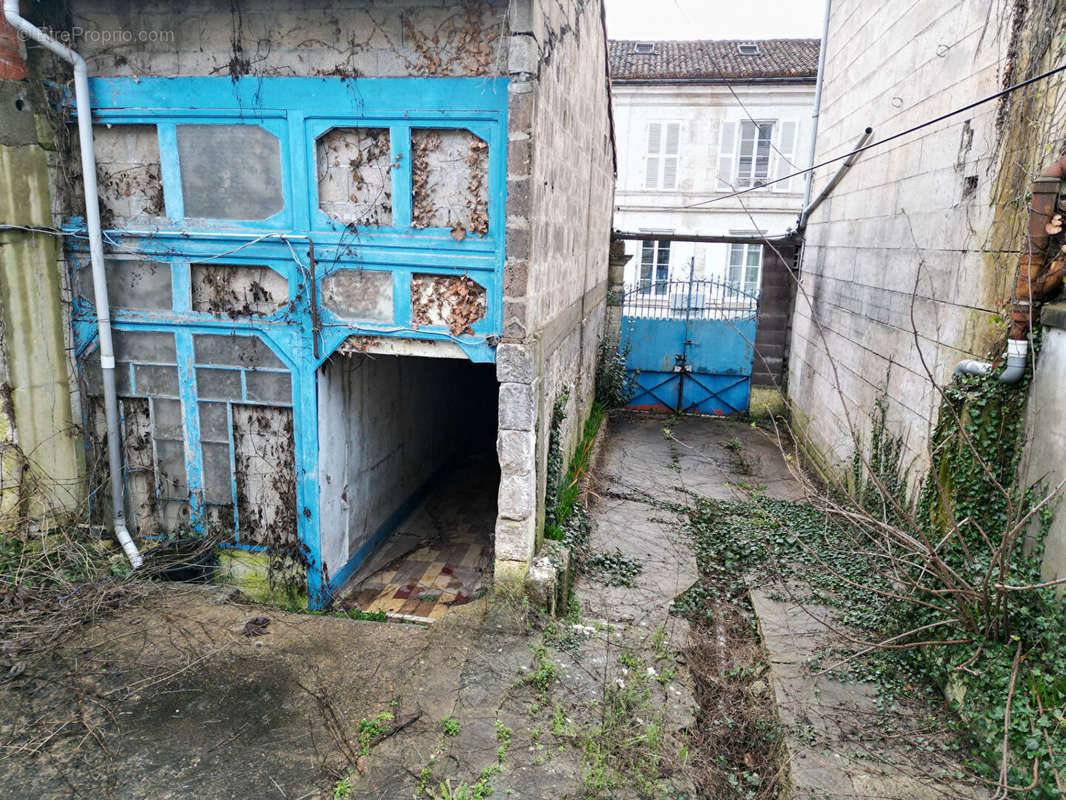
(700, 110)
(387, 425)
(40, 454)
(307, 38)
(1043, 462)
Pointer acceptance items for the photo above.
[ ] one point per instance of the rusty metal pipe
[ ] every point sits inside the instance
(1036, 278)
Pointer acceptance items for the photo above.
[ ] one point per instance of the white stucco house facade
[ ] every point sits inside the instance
(695, 121)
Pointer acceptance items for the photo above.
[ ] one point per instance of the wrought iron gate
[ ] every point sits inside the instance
(689, 345)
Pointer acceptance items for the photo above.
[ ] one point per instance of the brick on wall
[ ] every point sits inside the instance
(12, 65)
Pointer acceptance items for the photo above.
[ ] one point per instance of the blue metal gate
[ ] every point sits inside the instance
(689, 345)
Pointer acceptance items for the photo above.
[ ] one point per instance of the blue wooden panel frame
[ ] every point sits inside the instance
(295, 110)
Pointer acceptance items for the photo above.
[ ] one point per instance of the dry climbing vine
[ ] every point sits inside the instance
(457, 301)
(461, 45)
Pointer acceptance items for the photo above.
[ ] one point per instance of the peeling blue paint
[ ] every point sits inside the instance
(296, 111)
(689, 346)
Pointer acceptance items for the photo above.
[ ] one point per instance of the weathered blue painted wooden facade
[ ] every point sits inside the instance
(202, 370)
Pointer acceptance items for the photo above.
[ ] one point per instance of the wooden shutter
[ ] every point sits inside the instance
(786, 157)
(651, 159)
(670, 155)
(727, 155)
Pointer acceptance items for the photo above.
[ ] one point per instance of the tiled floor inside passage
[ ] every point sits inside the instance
(440, 556)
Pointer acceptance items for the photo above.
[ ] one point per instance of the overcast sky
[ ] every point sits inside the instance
(714, 19)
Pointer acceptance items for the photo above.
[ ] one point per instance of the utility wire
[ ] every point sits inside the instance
(887, 139)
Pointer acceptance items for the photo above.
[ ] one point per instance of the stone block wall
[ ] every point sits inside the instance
(560, 191)
(307, 38)
(908, 266)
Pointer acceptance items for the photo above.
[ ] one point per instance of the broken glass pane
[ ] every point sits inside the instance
(127, 170)
(449, 181)
(455, 301)
(237, 291)
(353, 167)
(264, 454)
(139, 465)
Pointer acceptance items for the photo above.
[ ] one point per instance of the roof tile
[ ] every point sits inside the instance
(714, 60)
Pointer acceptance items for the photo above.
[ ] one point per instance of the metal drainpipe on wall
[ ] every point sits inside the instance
(96, 252)
(1034, 281)
(809, 178)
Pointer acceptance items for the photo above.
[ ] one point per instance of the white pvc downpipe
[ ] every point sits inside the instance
(809, 180)
(96, 252)
(1017, 349)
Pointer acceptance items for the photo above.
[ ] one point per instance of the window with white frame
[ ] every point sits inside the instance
(654, 266)
(660, 159)
(751, 153)
(745, 263)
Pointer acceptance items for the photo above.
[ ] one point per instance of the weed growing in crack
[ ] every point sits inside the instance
(463, 791)
(627, 747)
(370, 729)
(477, 790)
(564, 489)
(342, 789)
(544, 675)
(659, 643)
(503, 736)
(741, 464)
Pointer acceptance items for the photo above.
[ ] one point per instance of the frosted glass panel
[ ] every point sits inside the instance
(229, 172)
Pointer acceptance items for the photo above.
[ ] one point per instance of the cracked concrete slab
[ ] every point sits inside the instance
(842, 742)
(166, 698)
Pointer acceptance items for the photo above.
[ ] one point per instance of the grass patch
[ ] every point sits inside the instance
(544, 673)
(564, 489)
